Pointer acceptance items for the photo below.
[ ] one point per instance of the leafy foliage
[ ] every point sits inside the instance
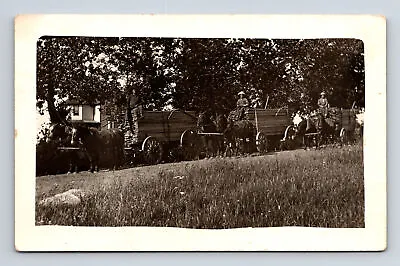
(197, 74)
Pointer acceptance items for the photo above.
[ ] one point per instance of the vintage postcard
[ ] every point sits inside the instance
(200, 133)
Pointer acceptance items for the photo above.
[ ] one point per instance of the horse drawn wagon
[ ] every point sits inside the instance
(338, 126)
(159, 134)
(245, 131)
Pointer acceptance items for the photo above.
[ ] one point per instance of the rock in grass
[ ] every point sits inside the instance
(72, 197)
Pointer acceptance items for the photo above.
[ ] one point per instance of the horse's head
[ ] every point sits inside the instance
(299, 122)
(221, 122)
(205, 123)
(78, 134)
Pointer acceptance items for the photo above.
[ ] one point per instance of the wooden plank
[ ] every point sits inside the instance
(171, 129)
(273, 121)
(211, 134)
(68, 148)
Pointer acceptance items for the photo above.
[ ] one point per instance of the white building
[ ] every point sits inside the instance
(84, 113)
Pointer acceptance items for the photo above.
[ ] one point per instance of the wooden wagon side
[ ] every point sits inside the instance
(165, 126)
(157, 132)
(272, 125)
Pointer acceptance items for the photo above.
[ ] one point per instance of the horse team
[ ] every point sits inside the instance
(226, 136)
(89, 143)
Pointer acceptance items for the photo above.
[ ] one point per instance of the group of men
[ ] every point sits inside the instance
(242, 103)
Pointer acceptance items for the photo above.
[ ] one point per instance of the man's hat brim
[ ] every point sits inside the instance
(241, 93)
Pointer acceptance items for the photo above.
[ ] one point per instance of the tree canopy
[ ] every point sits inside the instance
(197, 74)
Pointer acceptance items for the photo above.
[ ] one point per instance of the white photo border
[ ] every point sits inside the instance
(370, 29)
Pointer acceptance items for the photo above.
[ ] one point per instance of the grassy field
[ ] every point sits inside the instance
(319, 188)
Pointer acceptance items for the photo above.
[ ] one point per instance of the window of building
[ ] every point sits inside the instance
(75, 109)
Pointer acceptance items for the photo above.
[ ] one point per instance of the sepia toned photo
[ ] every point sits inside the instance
(230, 136)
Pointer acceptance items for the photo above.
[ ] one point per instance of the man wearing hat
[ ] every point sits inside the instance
(323, 104)
(242, 102)
(241, 105)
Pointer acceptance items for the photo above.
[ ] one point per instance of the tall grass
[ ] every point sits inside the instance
(322, 188)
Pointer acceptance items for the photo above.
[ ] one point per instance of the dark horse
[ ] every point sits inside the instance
(316, 129)
(239, 134)
(328, 128)
(221, 124)
(308, 131)
(107, 143)
(205, 124)
(60, 136)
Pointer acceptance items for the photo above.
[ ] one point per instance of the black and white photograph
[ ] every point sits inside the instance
(202, 135)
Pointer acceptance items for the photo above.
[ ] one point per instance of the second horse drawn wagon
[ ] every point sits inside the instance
(244, 131)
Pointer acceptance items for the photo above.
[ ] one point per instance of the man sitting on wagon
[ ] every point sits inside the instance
(323, 105)
(241, 106)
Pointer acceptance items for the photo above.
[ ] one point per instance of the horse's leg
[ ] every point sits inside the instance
(70, 170)
(69, 160)
(214, 145)
(320, 140)
(115, 156)
(94, 162)
(97, 163)
(227, 148)
(91, 167)
(220, 146)
(76, 161)
(237, 146)
(209, 147)
(90, 158)
(205, 146)
(73, 166)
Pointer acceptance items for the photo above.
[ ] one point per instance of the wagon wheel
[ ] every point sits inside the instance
(152, 150)
(261, 142)
(189, 145)
(343, 136)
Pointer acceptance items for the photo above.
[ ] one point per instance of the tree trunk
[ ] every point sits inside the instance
(55, 116)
